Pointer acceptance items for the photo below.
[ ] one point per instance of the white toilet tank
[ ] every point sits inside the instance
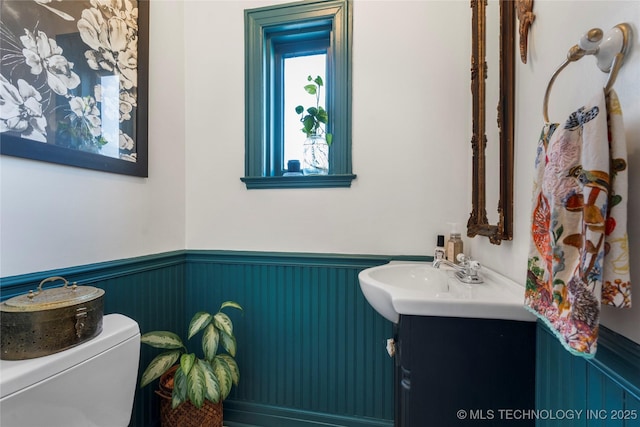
(92, 384)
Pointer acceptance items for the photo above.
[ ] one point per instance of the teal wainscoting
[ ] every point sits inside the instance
(148, 289)
(311, 350)
(605, 389)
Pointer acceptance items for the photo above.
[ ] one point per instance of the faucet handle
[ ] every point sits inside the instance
(471, 267)
(468, 262)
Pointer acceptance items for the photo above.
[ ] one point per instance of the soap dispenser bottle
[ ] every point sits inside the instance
(454, 244)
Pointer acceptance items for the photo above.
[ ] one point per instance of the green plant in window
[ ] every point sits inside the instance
(314, 119)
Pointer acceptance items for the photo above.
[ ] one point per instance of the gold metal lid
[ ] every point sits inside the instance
(52, 298)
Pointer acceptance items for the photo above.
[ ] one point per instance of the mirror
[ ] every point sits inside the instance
(492, 84)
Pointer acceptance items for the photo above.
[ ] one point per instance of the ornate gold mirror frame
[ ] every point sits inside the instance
(478, 223)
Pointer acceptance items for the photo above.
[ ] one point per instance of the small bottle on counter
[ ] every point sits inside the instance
(439, 252)
(454, 244)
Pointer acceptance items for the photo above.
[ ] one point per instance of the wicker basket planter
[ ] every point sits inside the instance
(185, 415)
(203, 382)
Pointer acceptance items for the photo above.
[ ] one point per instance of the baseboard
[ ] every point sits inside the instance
(243, 414)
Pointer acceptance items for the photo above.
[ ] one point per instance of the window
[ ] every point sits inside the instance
(295, 70)
(282, 43)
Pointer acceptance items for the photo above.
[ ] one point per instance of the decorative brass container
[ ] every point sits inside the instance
(51, 320)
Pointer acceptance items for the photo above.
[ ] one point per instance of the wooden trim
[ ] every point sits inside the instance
(478, 224)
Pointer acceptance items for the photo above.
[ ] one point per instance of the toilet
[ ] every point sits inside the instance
(92, 384)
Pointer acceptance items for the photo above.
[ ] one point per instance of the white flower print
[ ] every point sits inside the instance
(110, 29)
(126, 142)
(21, 110)
(43, 54)
(49, 68)
(87, 112)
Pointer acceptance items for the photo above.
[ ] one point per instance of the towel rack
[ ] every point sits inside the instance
(608, 49)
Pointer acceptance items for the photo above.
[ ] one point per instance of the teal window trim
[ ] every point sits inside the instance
(261, 165)
(315, 181)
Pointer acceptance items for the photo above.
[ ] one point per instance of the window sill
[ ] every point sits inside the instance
(308, 181)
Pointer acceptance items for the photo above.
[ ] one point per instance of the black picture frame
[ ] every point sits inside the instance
(38, 48)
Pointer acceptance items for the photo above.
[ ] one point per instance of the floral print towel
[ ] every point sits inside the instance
(579, 256)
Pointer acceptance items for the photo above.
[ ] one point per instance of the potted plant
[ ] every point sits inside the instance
(193, 389)
(314, 121)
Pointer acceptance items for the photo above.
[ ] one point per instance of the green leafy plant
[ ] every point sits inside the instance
(77, 134)
(314, 119)
(197, 379)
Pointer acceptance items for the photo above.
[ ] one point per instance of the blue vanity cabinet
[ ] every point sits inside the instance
(464, 372)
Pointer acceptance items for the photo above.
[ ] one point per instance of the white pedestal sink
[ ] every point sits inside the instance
(419, 289)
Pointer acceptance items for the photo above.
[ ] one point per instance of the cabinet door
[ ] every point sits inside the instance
(478, 366)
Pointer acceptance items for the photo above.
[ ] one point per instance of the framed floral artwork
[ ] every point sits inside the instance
(73, 82)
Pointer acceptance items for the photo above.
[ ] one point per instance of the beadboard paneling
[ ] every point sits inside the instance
(148, 289)
(310, 348)
(606, 389)
(309, 345)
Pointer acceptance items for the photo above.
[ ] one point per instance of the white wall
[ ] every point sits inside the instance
(411, 132)
(558, 26)
(411, 150)
(57, 216)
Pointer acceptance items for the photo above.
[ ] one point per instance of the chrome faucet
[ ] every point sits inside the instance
(466, 271)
